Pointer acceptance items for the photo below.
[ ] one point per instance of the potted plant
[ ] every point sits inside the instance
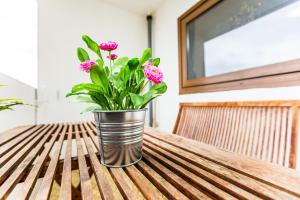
(120, 94)
(8, 103)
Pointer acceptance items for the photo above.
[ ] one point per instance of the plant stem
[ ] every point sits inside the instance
(109, 53)
(145, 85)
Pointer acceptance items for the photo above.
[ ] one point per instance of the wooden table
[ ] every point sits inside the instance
(60, 161)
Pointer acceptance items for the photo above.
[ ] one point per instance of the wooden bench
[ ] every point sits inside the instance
(265, 130)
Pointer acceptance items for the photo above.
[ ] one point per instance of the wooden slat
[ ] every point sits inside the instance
(17, 158)
(260, 171)
(32, 177)
(9, 145)
(217, 181)
(8, 150)
(66, 182)
(13, 133)
(294, 136)
(245, 183)
(146, 187)
(178, 119)
(45, 187)
(92, 134)
(125, 184)
(162, 184)
(280, 103)
(19, 171)
(288, 147)
(107, 187)
(182, 185)
(85, 183)
(236, 126)
(205, 186)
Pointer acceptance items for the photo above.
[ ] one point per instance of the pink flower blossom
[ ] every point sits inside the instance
(87, 65)
(153, 73)
(112, 56)
(108, 46)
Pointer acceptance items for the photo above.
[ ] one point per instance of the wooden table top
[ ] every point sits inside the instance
(60, 161)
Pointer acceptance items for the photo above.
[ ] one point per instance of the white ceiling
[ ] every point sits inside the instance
(143, 7)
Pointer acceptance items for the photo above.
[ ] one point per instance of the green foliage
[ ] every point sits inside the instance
(156, 61)
(92, 45)
(146, 56)
(82, 55)
(120, 86)
(8, 103)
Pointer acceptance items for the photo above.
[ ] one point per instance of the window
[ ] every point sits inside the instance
(18, 40)
(232, 44)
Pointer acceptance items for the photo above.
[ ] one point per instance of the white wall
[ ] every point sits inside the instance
(21, 115)
(18, 39)
(61, 24)
(166, 47)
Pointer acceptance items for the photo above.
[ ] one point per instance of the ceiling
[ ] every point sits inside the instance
(143, 7)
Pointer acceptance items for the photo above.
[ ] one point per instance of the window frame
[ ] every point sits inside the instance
(274, 75)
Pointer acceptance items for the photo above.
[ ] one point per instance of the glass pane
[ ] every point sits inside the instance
(236, 35)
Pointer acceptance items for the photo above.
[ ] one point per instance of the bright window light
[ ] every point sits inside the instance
(18, 40)
(270, 39)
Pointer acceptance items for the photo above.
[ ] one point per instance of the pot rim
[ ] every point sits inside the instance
(118, 111)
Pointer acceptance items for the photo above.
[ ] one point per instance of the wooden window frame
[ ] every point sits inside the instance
(274, 75)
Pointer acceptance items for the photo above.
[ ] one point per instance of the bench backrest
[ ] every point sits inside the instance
(265, 130)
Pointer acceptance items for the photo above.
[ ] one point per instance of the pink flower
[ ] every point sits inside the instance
(153, 73)
(108, 46)
(87, 65)
(112, 56)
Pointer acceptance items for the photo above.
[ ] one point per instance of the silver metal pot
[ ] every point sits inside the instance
(120, 136)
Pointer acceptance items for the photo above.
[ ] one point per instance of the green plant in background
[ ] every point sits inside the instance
(8, 103)
(120, 85)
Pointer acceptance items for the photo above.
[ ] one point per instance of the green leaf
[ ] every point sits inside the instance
(101, 100)
(86, 87)
(84, 99)
(82, 55)
(146, 101)
(120, 97)
(137, 100)
(76, 93)
(139, 74)
(159, 88)
(90, 108)
(99, 76)
(156, 61)
(146, 56)
(107, 70)
(10, 99)
(155, 91)
(133, 63)
(122, 78)
(139, 86)
(92, 45)
(102, 76)
(120, 62)
(95, 73)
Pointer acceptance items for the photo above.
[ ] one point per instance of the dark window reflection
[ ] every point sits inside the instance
(224, 17)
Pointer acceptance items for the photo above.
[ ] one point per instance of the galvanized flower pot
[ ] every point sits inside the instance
(120, 136)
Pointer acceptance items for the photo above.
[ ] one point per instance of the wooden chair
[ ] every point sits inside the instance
(265, 130)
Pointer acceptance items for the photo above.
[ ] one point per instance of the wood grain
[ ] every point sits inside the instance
(60, 161)
(266, 130)
(66, 182)
(261, 171)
